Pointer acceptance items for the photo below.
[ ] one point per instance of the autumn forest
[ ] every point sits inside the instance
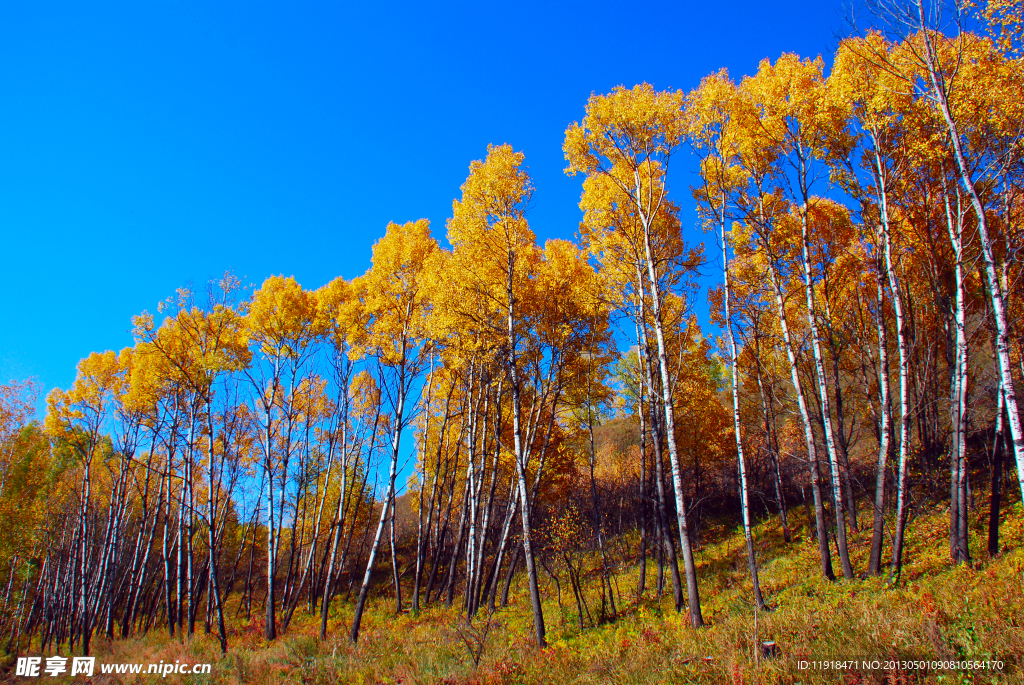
(487, 459)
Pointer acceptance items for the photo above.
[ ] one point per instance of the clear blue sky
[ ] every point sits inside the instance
(147, 145)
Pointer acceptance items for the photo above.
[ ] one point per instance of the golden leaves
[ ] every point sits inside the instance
(76, 416)
(392, 293)
(1006, 23)
(637, 124)
(487, 276)
(282, 318)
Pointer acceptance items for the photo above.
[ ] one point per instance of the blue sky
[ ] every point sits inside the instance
(149, 145)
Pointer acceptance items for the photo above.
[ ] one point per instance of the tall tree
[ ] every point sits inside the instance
(629, 137)
(281, 325)
(494, 263)
(394, 307)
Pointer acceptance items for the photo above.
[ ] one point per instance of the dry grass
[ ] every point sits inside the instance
(935, 612)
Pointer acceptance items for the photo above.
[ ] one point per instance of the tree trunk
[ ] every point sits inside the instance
(940, 93)
(364, 590)
(997, 480)
(878, 524)
(819, 369)
(738, 432)
(667, 545)
(812, 451)
(654, 289)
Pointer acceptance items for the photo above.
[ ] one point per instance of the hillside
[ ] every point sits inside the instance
(934, 612)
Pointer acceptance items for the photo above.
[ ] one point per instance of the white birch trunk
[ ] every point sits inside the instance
(940, 94)
(734, 363)
(692, 591)
(826, 414)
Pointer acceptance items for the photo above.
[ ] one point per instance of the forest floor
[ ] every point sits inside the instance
(935, 613)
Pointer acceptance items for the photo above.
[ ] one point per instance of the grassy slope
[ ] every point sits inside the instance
(935, 612)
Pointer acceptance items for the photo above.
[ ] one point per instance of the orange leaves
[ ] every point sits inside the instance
(1006, 24)
(791, 112)
(627, 137)
(866, 76)
(16, 406)
(628, 125)
(567, 294)
(497, 187)
(188, 351)
(282, 318)
(489, 222)
(392, 293)
(488, 274)
(713, 112)
(76, 416)
(337, 310)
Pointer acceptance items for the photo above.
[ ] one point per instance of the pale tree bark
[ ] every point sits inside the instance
(904, 354)
(606, 581)
(654, 290)
(396, 437)
(824, 552)
(212, 539)
(338, 522)
(521, 464)
(479, 583)
(270, 624)
(308, 565)
(421, 538)
(349, 447)
(770, 433)
(885, 430)
(667, 547)
(958, 525)
(738, 431)
(642, 580)
(826, 414)
(396, 575)
(940, 90)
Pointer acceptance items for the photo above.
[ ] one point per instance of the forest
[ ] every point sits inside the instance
(520, 454)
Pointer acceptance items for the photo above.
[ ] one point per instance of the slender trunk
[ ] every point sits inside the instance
(423, 537)
(842, 445)
(771, 444)
(826, 414)
(396, 438)
(903, 346)
(512, 508)
(269, 624)
(166, 552)
(940, 92)
(396, 576)
(654, 288)
(85, 626)
(212, 496)
(667, 544)
(642, 581)
(958, 397)
(737, 430)
(997, 480)
(509, 575)
(339, 526)
(878, 524)
(454, 559)
(812, 451)
(521, 457)
(605, 573)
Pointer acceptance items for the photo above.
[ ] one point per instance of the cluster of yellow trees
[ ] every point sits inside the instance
(247, 447)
